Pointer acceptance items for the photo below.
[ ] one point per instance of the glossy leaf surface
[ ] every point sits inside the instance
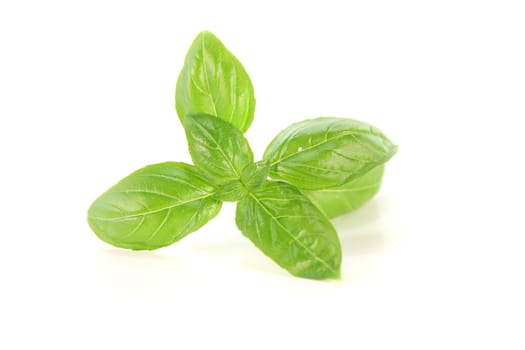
(327, 152)
(153, 207)
(343, 199)
(214, 82)
(289, 229)
(219, 150)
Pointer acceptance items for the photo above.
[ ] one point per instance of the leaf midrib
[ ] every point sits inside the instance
(208, 86)
(313, 146)
(151, 211)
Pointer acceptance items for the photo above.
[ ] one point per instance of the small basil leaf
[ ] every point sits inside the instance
(254, 175)
(219, 150)
(153, 207)
(213, 81)
(343, 199)
(289, 229)
(327, 152)
(231, 191)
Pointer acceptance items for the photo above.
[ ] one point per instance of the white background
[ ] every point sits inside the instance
(435, 261)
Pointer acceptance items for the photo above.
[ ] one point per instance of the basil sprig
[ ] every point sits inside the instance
(313, 170)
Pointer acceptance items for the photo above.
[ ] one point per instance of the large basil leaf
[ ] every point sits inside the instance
(213, 81)
(289, 229)
(327, 152)
(343, 199)
(153, 207)
(219, 151)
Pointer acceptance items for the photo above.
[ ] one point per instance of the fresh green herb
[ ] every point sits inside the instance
(313, 170)
(291, 230)
(213, 81)
(154, 207)
(326, 152)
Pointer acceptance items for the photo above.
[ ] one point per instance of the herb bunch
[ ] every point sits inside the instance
(312, 171)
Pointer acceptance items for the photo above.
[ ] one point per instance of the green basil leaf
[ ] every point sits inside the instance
(343, 199)
(219, 150)
(327, 152)
(153, 207)
(289, 229)
(214, 82)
